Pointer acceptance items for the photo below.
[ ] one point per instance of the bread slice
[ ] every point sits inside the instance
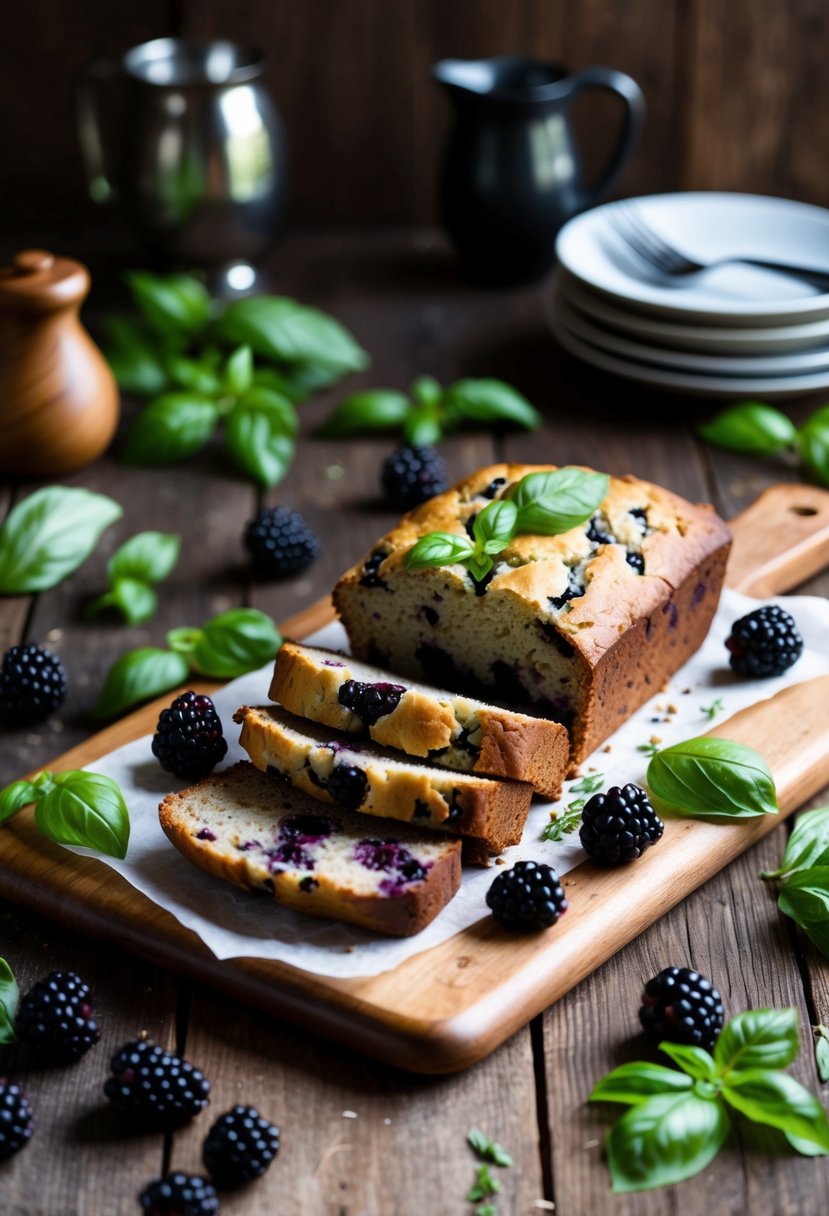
(376, 781)
(256, 832)
(447, 729)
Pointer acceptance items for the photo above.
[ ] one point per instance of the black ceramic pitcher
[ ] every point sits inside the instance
(512, 174)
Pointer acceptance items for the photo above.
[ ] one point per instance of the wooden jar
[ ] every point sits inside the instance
(59, 402)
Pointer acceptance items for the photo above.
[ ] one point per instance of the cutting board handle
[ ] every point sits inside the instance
(781, 540)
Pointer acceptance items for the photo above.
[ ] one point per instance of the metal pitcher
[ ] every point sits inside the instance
(195, 155)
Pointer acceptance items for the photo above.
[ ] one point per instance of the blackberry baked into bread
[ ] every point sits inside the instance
(446, 728)
(581, 627)
(378, 781)
(245, 827)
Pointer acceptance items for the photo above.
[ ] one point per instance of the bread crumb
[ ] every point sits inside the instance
(672, 709)
(350, 949)
(608, 747)
(655, 739)
(686, 691)
(499, 861)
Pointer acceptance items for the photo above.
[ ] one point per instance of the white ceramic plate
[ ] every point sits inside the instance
(706, 226)
(726, 339)
(799, 364)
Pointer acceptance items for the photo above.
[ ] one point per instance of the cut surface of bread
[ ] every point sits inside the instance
(446, 728)
(377, 781)
(258, 833)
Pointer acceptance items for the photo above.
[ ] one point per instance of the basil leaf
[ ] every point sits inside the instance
(490, 401)
(381, 409)
(304, 379)
(439, 549)
(86, 809)
(494, 527)
(289, 382)
(170, 429)
(136, 601)
(137, 366)
(49, 534)
(235, 642)
(694, 1061)
(479, 566)
(170, 302)
(665, 1140)
(712, 778)
(9, 1000)
(552, 503)
(813, 440)
(805, 898)
(822, 1052)
(750, 426)
(638, 1081)
(137, 676)
(259, 432)
(778, 1100)
(490, 1150)
(426, 391)
(282, 329)
(191, 374)
(15, 796)
(808, 845)
(759, 1038)
(239, 371)
(422, 427)
(147, 556)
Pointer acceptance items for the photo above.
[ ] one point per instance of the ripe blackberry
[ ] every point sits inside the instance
(280, 542)
(32, 685)
(56, 1015)
(15, 1118)
(681, 1006)
(527, 896)
(188, 740)
(347, 784)
(152, 1086)
(239, 1147)
(411, 475)
(618, 826)
(179, 1194)
(370, 701)
(765, 643)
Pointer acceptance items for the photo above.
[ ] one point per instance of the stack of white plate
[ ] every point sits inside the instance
(730, 331)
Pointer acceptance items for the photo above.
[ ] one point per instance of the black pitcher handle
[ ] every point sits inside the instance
(623, 86)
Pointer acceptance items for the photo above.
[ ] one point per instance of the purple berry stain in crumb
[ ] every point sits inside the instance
(674, 617)
(699, 595)
(331, 663)
(392, 858)
(306, 829)
(289, 854)
(248, 845)
(205, 834)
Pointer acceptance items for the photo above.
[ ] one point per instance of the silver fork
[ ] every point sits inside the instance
(670, 262)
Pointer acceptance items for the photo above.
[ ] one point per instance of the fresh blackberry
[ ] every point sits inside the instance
(370, 701)
(32, 685)
(411, 475)
(681, 1006)
(188, 740)
(153, 1087)
(527, 896)
(179, 1194)
(15, 1118)
(618, 826)
(347, 784)
(765, 643)
(280, 542)
(56, 1016)
(239, 1147)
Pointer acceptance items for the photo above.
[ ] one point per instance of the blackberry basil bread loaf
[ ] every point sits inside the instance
(447, 729)
(242, 826)
(582, 627)
(378, 781)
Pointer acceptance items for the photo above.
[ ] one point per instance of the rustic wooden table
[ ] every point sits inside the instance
(360, 1139)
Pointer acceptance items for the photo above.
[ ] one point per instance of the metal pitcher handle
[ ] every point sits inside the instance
(623, 86)
(96, 136)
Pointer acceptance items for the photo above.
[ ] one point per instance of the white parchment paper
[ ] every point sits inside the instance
(234, 924)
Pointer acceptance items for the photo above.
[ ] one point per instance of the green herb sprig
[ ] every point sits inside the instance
(144, 560)
(821, 1034)
(758, 429)
(712, 778)
(678, 1120)
(431, 411)
(803, 875)
(565, 822)
(486, 1186)
(76, 807)
(9, 1000)
(48, 535)
(710, 711)
(545, 504)
(227, 646)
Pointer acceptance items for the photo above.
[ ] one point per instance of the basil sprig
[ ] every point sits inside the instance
(755, 428)
(678, 1120)
(430, 411)
(144, 560)
(803, 875)
(48, 535)
(711, 778)
(541, 503)
(9, 1000)
(76, 807)
(227, 646)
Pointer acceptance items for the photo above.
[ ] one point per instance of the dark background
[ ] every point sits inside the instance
(737, 92)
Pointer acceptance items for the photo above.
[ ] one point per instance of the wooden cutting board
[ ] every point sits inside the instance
(450, 1006)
